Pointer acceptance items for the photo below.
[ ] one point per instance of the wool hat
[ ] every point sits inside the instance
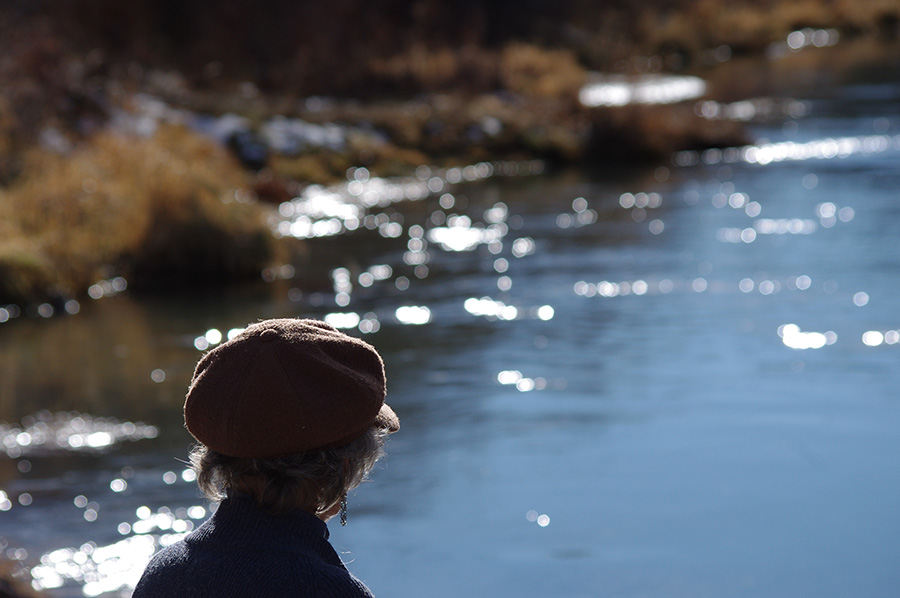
(287, 386)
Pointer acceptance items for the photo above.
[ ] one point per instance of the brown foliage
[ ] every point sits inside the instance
(158, 207)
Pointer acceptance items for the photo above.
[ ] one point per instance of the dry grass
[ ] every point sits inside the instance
(420, 67)
(537, 72)
(162, 207)
(526, 69)
(7, 145)
(681, 32)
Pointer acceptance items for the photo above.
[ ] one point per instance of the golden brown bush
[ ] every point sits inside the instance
(169, 206)
(534, 71)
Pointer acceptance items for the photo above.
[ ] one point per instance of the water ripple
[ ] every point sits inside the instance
(70, 431)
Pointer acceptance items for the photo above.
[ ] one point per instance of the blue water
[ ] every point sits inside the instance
(661, 442)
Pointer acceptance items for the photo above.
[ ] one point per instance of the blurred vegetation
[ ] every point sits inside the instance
(156, 209)
(80, 197)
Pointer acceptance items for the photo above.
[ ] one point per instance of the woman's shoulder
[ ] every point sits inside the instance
(341, 584)
(183, 567)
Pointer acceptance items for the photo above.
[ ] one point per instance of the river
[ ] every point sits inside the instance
(673, 379)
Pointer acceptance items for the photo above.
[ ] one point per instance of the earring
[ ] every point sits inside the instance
(344, 510)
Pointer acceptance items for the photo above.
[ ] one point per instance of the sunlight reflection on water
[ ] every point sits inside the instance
(117, 566)
(619, 90)
(328, 211)
(782, 151)
(346, 209)
(747, 281)
(46, 432)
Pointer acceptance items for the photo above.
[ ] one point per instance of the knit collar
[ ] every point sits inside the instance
(239, 517)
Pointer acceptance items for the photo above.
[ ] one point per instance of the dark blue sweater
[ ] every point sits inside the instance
(244, 552)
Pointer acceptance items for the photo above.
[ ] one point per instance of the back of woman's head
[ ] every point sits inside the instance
(313, 481)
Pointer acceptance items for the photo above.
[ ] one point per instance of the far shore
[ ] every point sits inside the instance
(155, 174)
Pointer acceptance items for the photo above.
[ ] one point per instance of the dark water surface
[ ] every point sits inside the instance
(664, 381)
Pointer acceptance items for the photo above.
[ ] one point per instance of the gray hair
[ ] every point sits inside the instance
(313, 481)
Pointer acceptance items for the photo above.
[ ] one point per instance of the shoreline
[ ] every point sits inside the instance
(263, 150)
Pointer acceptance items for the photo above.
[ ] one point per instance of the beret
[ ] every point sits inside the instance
(287, 386)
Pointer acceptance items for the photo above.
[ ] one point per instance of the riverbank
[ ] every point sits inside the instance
(158, 156)
(720, 346)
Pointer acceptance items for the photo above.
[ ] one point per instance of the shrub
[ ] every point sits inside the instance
(532, 71)
(166, 207)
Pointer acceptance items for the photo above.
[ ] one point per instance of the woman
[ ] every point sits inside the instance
(289, 416)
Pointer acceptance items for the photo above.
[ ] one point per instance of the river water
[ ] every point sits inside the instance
(674, 379)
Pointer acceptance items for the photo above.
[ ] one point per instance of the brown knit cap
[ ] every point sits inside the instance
(287, 386)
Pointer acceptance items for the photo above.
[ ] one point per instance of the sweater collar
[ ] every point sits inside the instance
(241, 511)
